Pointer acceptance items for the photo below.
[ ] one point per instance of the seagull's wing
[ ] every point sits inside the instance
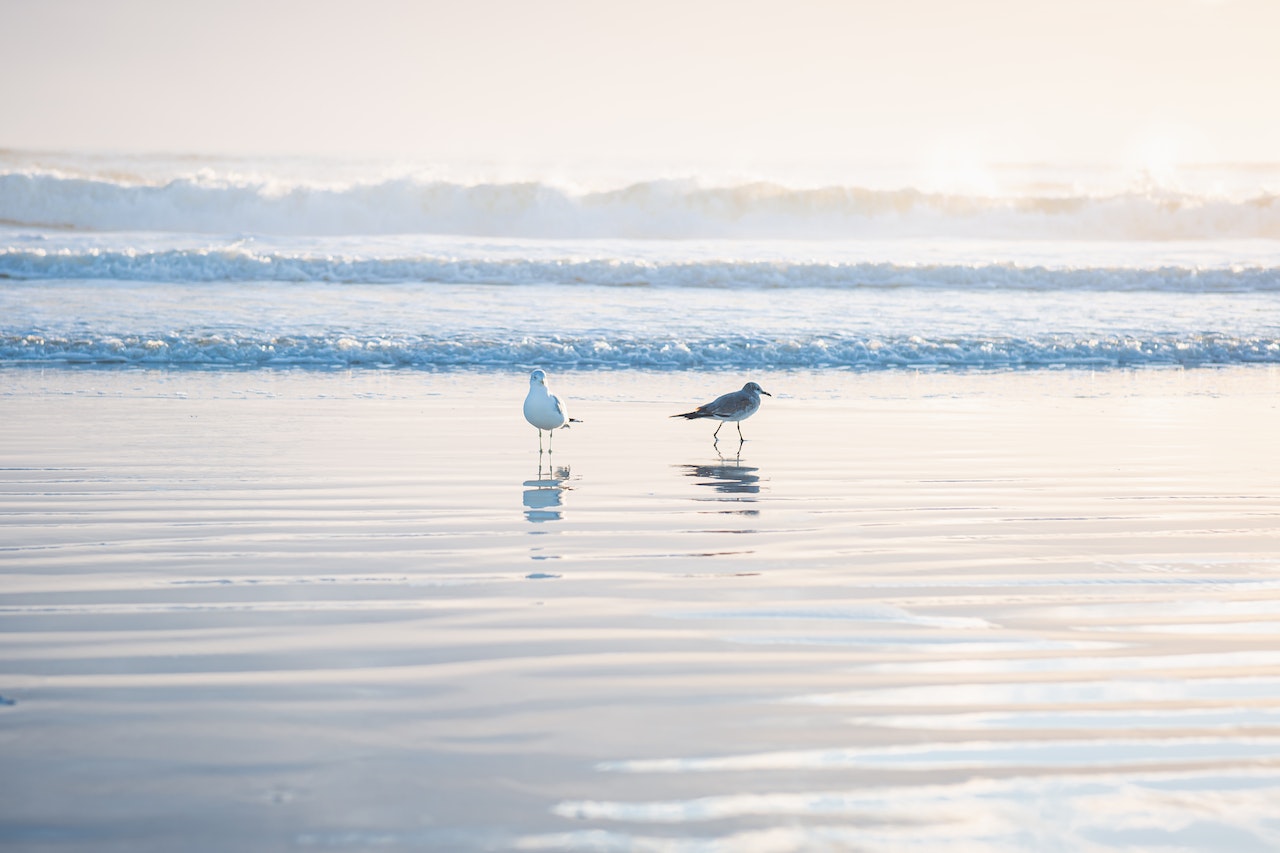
(728, 405)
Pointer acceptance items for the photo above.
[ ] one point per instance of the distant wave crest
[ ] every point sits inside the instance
(651, 209)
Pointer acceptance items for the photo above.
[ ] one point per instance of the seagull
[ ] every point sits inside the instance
(735, 406)
(545, 410)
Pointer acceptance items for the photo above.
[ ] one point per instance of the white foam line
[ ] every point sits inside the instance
(985, 755)
(1061, 693)
(1120, 663)
(865, 613)
(1127, 719)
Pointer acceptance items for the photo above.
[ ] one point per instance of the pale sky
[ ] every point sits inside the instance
(664, 81)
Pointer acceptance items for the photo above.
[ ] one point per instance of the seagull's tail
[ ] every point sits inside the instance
(690, 416)
(574, 421)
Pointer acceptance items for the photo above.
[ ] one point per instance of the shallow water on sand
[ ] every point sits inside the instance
(267, 610)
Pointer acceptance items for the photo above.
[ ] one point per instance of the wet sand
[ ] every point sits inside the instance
(307, 609)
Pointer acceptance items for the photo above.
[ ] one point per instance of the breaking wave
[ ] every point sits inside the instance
(678, 209)
(607, 352)
(245, 265)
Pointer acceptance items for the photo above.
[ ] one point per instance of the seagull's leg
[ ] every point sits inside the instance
(716, 434)
(539, 443)
(550, 445)
(740, 438)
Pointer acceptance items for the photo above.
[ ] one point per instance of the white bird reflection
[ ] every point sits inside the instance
(544, 495)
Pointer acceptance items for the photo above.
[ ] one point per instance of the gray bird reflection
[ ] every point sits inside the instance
(731, 480)
(544, 495)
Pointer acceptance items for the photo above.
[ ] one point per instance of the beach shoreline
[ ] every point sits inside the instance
(347, 609)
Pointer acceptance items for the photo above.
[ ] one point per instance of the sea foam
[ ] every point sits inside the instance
(181, 265)
(240, 264)
(614, 351)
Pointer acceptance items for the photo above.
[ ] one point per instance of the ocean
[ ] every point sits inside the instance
(200, 262)
(283, 567)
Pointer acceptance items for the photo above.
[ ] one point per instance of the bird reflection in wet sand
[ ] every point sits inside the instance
(729, 477)
(733, 482)
(543, 495)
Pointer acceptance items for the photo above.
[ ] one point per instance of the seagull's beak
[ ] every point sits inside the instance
(766, 393)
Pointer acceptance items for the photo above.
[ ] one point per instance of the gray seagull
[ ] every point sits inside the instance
(735, 406)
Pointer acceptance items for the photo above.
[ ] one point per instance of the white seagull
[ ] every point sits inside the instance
(545, 410)
(735, 406)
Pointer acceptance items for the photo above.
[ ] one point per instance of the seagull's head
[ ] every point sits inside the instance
(538, 377)
(754, 388)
